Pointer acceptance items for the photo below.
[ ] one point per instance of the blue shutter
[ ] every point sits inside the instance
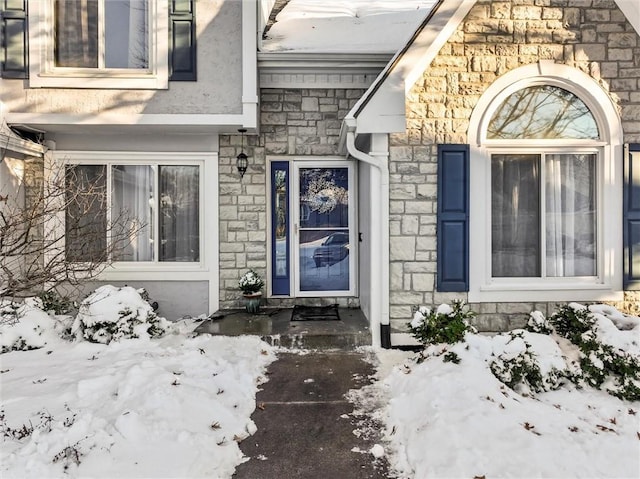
(14, 39)
(182, 40)
(631, 217)
(453, 218)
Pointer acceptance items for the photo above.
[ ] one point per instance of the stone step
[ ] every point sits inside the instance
(276, 328)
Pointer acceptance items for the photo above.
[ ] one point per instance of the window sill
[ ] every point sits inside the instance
(99, 80)
(544, 293)
(155, 272)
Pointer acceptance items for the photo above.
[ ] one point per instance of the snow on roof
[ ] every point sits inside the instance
(345, 26)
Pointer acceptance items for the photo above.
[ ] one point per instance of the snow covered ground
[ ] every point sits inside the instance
(169, 407)
(176, 406)
(447, 420)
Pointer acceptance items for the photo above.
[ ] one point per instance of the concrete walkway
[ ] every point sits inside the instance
(305, 424)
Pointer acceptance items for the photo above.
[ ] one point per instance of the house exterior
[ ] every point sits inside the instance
(493, 158)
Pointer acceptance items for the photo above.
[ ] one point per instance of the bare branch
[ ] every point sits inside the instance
(59, 233)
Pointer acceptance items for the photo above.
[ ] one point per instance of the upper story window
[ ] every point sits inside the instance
(102, 34)
(99, 44)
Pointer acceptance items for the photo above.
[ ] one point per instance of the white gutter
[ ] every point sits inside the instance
(379, 223)
(250, 64)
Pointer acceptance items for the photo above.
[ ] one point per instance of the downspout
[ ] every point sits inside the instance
(380, 325)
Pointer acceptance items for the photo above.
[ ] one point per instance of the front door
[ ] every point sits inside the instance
(321, 239)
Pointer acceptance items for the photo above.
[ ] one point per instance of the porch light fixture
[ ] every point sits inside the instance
(242, 161)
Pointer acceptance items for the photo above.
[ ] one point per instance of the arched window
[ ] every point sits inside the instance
(543, 176)
(542, 112)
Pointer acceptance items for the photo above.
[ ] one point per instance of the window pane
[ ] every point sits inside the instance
(126, 34)
(280, 219)
(324, 260)
(324, 197)
(542, 112)
(76, 35)
(515, 215)
(570, 215)
(86, 213)
(132, 203)
(179, 213)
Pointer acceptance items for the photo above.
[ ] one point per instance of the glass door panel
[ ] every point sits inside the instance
(323, 249)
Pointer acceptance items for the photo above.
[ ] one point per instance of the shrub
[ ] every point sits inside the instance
(53, 302)
(602, 364)
(518, 364)
(571, 322)
(447, 324)
(111, 314)
(25, 326)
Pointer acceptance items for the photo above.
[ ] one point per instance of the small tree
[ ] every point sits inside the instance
(57, 230)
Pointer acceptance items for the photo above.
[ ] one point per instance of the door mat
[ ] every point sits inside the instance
(315, 313)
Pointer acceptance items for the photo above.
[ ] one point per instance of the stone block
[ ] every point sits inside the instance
(572, 17)
(402, 192)
(231, 247)
(515, 308)
(448, 298)
(324, 149)
(257, 236)
(426, 243)
(552, 13)
(396, 207)
(406, 298)
(422, 282)
(420, 207)
(420, 267)
(590, 52)
(620, 54)
(410, 225)
(623, 40)
(627, 84)
(228, 212)
(273, 118)
(402, 249)
(395, 276)
(402, 313)
(310, 104)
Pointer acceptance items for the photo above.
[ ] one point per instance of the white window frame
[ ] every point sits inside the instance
(141, 269)
(44, 73)
(607, 285)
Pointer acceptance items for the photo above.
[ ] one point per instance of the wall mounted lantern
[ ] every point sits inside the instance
(242, 161)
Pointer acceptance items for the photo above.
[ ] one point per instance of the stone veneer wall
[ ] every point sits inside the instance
(495, 38)
(294, 122)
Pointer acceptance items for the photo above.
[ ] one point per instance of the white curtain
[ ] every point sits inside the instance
(515, 215)
(570, 215)
(76, 35)
(179, 213)
(132, 201)
(569, 248)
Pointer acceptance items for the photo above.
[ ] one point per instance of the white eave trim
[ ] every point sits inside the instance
(320, 70)
(290, 62)
(184, 122)
(631, 10)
